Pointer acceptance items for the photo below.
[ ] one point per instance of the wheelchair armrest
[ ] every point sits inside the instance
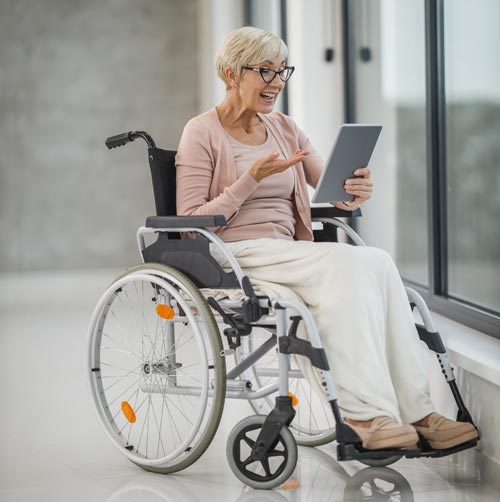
(329, 217)
(333, 212)
(185, 221)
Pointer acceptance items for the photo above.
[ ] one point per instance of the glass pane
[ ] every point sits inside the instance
(391, 90)
(472, 81)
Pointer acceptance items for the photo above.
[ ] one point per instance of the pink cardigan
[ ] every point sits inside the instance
(206, 172)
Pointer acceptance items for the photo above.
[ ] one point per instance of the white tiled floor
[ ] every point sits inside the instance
(52, 448)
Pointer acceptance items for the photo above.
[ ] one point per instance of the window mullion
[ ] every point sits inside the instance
(436, 149)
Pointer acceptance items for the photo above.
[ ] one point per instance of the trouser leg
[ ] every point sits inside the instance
(348, 290)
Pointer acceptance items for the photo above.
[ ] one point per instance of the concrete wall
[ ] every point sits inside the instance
(73, 72)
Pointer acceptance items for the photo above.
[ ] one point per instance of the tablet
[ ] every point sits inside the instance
(352, 149)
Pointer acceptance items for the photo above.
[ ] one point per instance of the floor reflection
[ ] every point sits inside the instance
(322, 477)
(153, 488)
(318, 477)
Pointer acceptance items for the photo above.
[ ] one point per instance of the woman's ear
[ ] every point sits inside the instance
(231, 78)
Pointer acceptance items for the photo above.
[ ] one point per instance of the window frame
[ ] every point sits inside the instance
(437, 296)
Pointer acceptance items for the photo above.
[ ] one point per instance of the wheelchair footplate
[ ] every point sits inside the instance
(349, 448)
(427, 451)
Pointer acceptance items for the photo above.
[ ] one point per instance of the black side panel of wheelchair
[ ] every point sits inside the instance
(162, 164)
(192, 257)
(327, 234)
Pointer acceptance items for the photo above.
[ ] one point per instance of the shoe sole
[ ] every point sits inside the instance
(450, 443)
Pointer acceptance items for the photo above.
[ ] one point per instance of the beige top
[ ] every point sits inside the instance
(268, 210)
(207, 181)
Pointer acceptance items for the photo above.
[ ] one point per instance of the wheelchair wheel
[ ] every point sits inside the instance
(381, 462)
(269, 472)
(156, 374)
(314, 424)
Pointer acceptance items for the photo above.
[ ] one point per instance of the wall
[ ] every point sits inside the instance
(72, 73)
(216, 19)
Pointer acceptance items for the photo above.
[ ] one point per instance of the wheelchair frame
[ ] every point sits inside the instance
(273, 315)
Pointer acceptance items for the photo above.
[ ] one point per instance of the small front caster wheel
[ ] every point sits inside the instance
(274, 468)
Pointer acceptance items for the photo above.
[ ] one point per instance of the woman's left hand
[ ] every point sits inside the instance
(361, 188)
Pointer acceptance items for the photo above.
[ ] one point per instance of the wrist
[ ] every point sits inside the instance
(254, 175)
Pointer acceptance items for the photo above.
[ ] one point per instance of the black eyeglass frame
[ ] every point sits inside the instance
(291, 69)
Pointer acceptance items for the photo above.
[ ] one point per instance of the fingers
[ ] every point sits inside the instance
(361, 187)
(269, 157)
(273, 162)
(363, 172)
(269, 164)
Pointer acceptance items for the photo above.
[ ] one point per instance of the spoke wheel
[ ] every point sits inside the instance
(314, 423)
(156, 375)
(268, 472)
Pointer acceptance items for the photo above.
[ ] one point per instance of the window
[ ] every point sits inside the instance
(429, 71)
(388, 58)
(472, 90)
(269, 15)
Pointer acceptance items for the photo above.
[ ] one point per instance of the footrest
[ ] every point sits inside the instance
(443, 453)
(351, 452)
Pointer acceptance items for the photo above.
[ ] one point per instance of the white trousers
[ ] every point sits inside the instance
(363, 316)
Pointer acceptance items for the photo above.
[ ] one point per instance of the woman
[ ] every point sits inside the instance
(253, 165)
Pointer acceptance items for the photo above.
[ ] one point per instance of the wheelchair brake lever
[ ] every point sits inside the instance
(214, 304)
(236, 329)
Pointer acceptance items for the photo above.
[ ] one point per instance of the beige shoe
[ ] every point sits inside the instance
(384, 432)
(443, 433)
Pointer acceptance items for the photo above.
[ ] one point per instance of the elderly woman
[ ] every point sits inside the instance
(252, 165)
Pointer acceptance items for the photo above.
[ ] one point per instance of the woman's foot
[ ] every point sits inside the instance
(443, 433)
(384, 432)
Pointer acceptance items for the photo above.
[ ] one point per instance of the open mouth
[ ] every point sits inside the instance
(268, 96)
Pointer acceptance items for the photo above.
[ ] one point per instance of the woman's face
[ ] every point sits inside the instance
(256, 94)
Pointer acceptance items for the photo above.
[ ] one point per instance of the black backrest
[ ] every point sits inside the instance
(190, 256)
(162, 163)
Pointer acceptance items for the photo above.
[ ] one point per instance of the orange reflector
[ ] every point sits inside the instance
(291, 484)
(295, 401)
(128, 412)
(164, 311)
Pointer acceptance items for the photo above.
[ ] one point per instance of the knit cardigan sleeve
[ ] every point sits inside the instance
(196, 161)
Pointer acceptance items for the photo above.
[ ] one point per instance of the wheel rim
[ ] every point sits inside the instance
(282, 458)
(264, 469)
(135, 366)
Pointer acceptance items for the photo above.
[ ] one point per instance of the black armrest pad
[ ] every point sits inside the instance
(333, 212)
(185, 221)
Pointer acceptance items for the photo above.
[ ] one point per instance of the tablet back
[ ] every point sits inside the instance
(352, 149)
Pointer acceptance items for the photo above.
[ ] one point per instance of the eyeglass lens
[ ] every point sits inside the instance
(269, 75)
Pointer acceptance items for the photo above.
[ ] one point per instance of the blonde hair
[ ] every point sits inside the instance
(248, 46)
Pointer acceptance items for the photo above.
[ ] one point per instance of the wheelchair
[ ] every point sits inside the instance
(159, 340)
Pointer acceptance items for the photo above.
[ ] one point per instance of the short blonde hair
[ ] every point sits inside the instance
(248, 46)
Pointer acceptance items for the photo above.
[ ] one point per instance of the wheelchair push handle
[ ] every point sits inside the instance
(127, 137)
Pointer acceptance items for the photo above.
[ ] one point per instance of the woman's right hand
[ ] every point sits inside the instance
(269, 164)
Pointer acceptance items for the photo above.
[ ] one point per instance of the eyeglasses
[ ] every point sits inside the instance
(269, 75)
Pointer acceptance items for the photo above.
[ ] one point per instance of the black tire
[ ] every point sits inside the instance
(260, 474)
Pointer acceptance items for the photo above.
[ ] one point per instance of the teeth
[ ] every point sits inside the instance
(267, 95)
